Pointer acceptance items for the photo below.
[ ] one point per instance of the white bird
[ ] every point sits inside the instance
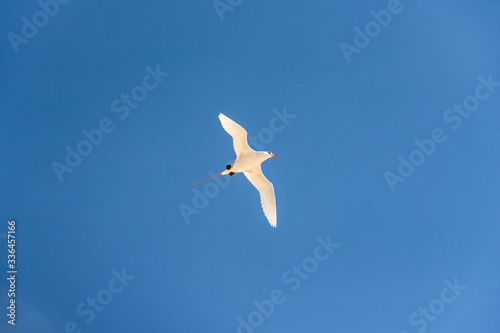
(248, 161)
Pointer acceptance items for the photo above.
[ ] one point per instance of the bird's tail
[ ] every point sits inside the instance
(225, 172)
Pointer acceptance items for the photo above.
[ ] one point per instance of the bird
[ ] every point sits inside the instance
(248, 162)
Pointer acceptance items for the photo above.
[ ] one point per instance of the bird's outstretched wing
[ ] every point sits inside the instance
(240, 143)
(266, 190)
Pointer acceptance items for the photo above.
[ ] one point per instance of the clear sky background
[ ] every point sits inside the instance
(198, 265)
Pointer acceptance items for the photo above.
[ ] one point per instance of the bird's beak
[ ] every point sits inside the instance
(275, 155)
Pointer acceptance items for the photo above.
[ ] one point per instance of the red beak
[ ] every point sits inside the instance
(275, 155)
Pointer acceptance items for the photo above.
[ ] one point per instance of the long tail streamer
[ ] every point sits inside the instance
(206, 180)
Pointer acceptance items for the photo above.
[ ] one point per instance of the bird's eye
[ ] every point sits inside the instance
(269, 152)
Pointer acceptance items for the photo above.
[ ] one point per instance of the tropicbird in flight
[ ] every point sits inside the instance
(249, 162)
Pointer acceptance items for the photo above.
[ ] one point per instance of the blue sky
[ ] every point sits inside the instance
(117, 240)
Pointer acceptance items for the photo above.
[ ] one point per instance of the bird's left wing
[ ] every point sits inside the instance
(266, 190)
(240, 143)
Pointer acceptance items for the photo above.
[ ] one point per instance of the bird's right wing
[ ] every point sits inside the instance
(240, 143)
(266, 190)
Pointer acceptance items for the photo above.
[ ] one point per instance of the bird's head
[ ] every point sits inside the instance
(271, 154)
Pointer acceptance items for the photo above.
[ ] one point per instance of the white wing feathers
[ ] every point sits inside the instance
(266, 190)
(240, 143)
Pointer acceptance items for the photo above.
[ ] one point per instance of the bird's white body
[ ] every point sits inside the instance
(248, 162)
